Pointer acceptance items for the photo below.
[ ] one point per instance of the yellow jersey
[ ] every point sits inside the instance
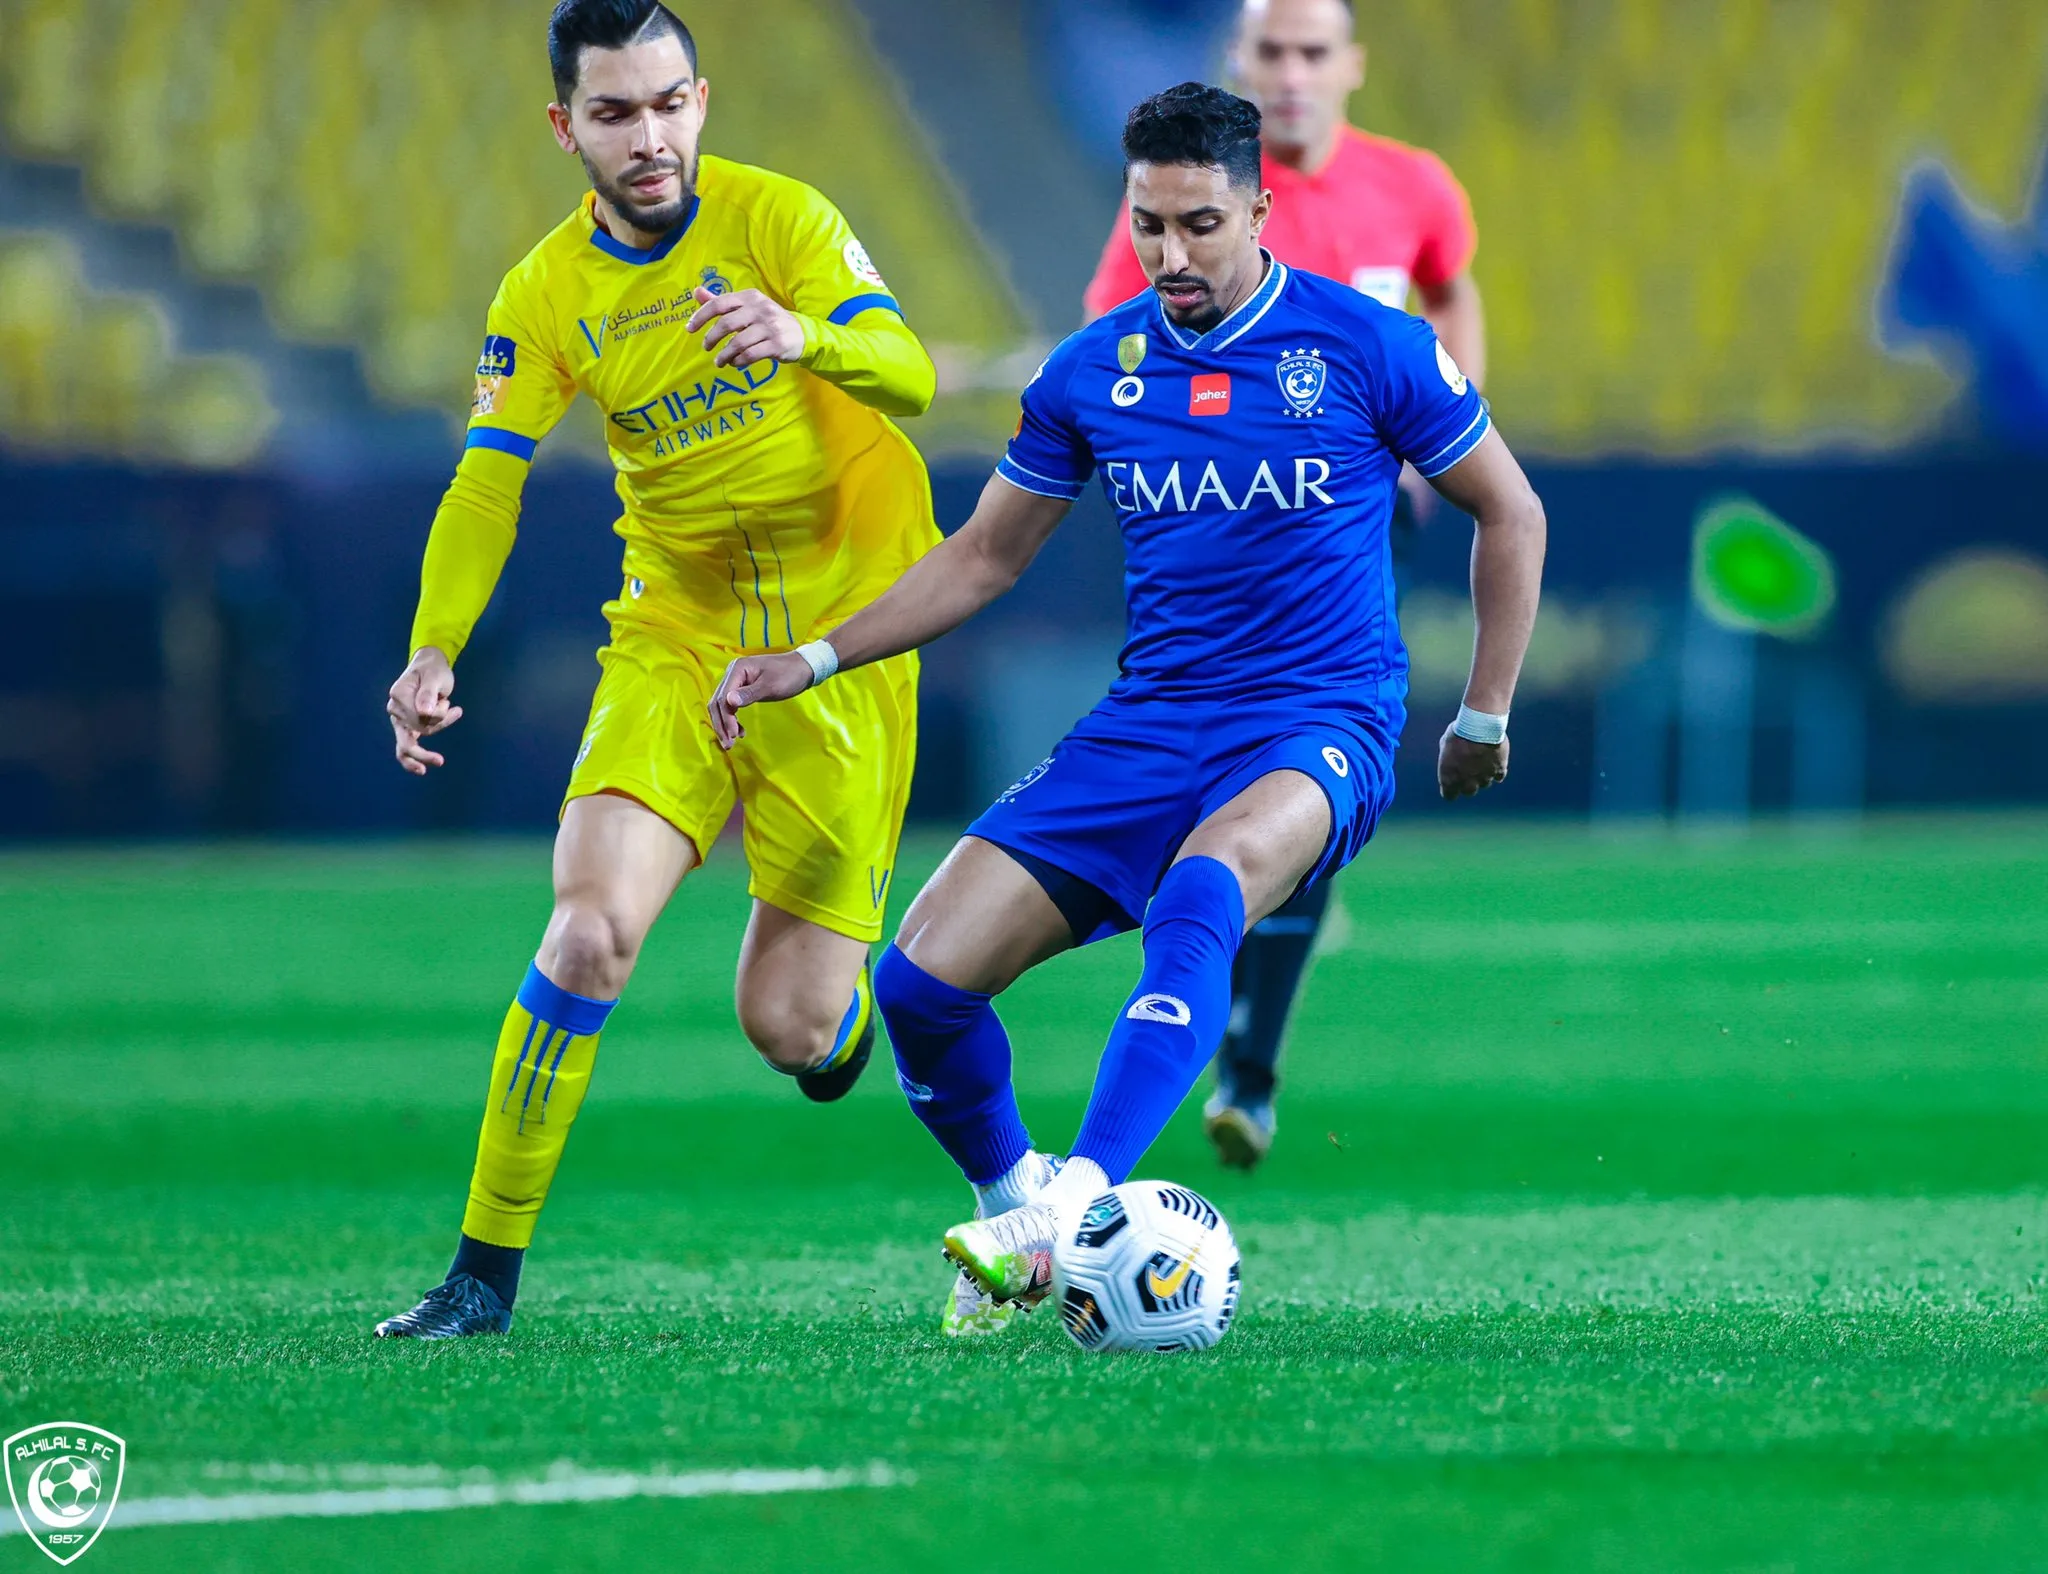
(761, 504)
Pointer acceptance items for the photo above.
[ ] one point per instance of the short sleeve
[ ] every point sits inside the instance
(821, 267)
(522, 387)
(1429, 413)
(1050, 455)
(1449, 235)
(1118, 274)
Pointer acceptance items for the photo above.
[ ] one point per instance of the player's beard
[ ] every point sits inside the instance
(1203, 317)
(618, 194)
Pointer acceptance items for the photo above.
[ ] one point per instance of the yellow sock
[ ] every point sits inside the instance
(854, 1023)
(538, 1077)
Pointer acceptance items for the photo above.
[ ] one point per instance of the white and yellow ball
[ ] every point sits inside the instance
(1149, 1266)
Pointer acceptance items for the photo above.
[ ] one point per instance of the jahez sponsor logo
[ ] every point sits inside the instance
(1210, 395)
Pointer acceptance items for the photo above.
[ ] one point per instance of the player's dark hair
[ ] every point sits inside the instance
(1196, 124)
(578, 25)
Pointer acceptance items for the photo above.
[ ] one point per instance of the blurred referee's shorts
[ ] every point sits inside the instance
(1402, 537)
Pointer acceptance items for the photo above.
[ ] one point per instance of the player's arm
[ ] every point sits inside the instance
(865, 347)
(873, 356)
(521, 393)
(473, 532)
(1454, 309)
(826, 310)
(1430, 415)
(1507, 580)
(1444, 285)
(935, 595)
(1045, 469)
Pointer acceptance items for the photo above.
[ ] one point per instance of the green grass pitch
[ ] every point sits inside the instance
(1639, 1204)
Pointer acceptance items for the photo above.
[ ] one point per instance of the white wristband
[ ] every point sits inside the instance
(1479, 727)
(822, 658)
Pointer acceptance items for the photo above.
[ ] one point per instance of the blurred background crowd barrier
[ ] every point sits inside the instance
(1776, 262)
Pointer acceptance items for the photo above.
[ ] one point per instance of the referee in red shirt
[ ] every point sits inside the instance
(1388, 219)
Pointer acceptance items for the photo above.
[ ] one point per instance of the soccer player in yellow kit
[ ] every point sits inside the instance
(747, 357)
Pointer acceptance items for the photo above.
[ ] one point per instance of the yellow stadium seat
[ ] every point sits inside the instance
(1684, 206)
(84, 372)
(374, 167)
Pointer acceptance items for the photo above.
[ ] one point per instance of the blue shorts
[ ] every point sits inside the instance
(1112, 805)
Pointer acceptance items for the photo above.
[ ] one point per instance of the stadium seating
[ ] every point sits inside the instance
(1684, 207)
(374, 167)
(85, 372)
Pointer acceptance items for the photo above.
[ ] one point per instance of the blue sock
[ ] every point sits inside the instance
(497, 1266)
(1174, 1019)
(953, 1064)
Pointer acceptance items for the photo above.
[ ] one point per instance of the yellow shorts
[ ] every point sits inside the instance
(822, 779)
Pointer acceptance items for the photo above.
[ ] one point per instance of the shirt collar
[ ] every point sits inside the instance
(612, 246)
(1249, 311)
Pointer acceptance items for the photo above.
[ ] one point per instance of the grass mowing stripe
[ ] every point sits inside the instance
(576, 1488)
(1425, 1146)
(1717, 1239)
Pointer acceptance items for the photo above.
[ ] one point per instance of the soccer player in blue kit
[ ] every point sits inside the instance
(1249, 423)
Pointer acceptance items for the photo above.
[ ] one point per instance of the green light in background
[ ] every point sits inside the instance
(1752, 571)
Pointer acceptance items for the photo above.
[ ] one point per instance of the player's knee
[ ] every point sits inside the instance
(900, 987)
(1202, 894)
(926, 1015)
(928, 954)
(593, 952)
(787, 1032)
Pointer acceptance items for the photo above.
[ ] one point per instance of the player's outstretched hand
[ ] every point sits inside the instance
(1464, 767)
(419, 708)
(746, 326)
(753, 680)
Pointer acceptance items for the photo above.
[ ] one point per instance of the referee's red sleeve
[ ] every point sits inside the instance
(1451, 237)
(1117, 276)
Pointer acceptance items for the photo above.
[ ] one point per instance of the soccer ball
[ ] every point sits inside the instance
(69, 1486)
(1150, 1266)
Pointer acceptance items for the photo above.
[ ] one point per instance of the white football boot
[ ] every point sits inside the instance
(972, 1313)
(1009, 1255)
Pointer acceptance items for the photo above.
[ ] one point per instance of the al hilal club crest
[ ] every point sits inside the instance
(1303, 376)
(65, 1478)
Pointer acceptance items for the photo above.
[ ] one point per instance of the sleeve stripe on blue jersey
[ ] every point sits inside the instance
(1457, 448)
(1043, 485)
(846, 311)
(504, 442)
(1050, 480)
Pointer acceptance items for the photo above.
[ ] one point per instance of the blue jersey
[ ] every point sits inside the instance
(1253, 470)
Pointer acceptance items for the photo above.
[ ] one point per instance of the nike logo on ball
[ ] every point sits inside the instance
(1165, 1288)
